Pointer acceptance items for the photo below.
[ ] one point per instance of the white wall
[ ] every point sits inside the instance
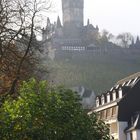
(138, 135)
(128, 136)
(121, 128)
(135, 135)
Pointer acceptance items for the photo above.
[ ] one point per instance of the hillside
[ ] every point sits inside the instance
(98, 72)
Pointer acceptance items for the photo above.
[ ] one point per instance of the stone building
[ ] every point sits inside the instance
(72, 35)
(120, 108)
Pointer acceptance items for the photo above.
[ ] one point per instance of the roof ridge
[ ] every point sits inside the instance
(128, 78)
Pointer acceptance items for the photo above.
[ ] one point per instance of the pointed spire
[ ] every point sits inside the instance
(97, 28)
(137, 40)
(132, 42)
(58, 22)
(88, 22)
(48, 22)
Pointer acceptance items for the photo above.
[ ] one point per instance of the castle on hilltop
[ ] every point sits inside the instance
(72, 34)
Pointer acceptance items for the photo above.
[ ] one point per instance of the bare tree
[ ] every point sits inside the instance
(106, 36)
(125, 39)
(19, 19)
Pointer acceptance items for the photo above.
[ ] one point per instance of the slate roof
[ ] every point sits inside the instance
(125, 84)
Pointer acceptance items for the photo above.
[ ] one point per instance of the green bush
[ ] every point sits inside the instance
(47, 113)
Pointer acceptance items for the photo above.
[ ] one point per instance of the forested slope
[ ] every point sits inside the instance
(99, 72)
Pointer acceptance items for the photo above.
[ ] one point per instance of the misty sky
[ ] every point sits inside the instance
(114, 15)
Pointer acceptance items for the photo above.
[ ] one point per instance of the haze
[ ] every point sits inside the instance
(116, 16)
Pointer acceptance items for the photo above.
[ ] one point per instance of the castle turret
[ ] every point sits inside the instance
(48, 22)
(97, 28)
(137, 42)
(58, 23)
(88, 22)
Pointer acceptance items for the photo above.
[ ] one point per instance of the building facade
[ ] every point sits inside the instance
(120, 108)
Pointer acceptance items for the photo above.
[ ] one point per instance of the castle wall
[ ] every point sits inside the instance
(90, 54)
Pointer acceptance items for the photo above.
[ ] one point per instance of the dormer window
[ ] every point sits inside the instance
(97, 102)
(103, 100)
(114, 95)
(120, 93)
(108, 97)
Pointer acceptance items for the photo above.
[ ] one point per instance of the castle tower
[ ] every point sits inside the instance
(73, 13)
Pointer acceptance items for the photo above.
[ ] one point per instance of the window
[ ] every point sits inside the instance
(131, 136)
(108, 113)
(103, 114)
(114, 111)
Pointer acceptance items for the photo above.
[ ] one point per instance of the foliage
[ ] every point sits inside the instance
(46, 113)
(95, 71)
